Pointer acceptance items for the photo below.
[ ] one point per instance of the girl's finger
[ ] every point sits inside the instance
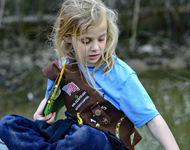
(52, 119)
(48, 117)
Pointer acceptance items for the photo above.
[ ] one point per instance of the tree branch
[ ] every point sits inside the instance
(134, 24)
(2, 6)
(28, 19)
(180, 116)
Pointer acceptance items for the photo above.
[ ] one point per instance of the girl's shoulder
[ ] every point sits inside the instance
(121, 67)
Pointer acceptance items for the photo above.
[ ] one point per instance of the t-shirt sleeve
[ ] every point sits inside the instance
(136, 103)
(50, 84)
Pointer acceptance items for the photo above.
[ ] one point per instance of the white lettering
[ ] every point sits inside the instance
(92, 120)
(81, 103)
(104, 107)
(78, 99)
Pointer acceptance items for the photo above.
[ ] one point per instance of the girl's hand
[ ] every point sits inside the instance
(50, 118)
(39, 115)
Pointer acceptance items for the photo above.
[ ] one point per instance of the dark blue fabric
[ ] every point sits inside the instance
(20, 133)
(115, 142)
(53, 133)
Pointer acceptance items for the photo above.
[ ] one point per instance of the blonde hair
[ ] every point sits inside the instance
(75, 17)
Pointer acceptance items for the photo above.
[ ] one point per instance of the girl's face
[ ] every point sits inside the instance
(93, 42)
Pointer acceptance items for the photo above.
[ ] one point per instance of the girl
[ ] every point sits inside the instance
(101, 90)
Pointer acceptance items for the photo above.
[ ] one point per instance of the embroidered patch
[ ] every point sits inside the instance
(70, 87)
(118, 126)
(104, 107)
(93, 120)
(80, 100)
(132, 138)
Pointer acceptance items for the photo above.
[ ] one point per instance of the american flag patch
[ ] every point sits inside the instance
(70, 87)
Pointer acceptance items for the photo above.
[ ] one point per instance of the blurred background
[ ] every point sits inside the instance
(154, 40)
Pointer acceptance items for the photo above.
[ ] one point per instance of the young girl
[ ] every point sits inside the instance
(101, 90)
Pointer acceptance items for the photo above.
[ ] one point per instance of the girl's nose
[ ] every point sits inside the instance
(95, 46)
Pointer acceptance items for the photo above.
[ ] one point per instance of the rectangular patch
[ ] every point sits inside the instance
(80, 100)
(70, 87)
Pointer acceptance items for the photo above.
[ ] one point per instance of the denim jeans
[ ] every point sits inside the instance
(20, 133)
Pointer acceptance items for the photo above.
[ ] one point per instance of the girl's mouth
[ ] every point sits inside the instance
(93, 56)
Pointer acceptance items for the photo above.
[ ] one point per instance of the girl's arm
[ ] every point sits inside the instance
(38, 115)
(162, 133)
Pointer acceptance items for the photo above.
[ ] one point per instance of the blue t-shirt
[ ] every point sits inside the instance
(122, 88)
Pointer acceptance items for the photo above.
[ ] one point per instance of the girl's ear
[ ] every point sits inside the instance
(67, 38)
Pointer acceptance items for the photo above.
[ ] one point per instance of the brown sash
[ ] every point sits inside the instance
(94, 110)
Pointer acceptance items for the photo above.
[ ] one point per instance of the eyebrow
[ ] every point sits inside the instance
(88, 37)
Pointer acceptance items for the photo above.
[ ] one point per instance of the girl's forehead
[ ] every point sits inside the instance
(98, 29)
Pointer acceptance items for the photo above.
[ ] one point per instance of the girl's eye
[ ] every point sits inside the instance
(85, 41)
(101, 39)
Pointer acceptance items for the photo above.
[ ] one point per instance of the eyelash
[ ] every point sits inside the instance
(85, 42)
(101, 40)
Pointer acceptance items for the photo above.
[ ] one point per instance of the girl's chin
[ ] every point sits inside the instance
(92, 63)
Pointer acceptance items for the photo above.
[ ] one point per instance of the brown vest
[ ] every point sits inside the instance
(94, 110)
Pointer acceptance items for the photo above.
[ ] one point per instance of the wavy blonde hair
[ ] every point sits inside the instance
(75, 18)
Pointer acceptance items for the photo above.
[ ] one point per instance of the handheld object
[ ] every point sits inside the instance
(55, 100)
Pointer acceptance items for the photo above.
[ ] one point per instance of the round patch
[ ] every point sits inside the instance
(97, 112)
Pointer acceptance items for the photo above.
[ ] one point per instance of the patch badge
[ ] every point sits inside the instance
(93, 120)
(118, 126)
(70, 87)
(80, 100)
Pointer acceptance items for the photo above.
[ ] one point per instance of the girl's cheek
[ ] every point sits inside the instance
(104, 45)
